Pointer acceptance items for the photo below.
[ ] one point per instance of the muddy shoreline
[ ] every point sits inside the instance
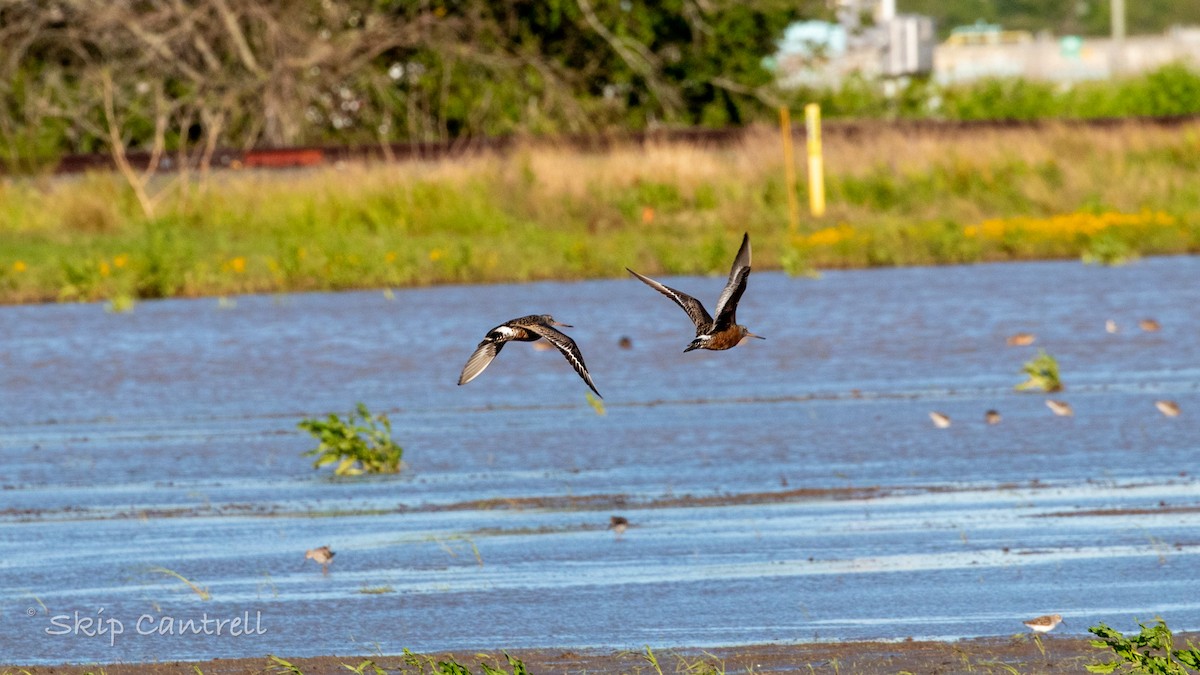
(1064, 654)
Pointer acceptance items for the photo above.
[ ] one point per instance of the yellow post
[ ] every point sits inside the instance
(816, 168)
(789, 169)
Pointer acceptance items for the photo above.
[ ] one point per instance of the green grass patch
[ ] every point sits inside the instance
(1104, 195)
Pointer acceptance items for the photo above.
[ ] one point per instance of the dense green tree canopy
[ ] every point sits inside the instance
(78, 74)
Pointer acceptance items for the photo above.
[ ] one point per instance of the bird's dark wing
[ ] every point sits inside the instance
(692, 306)
(726, 309)
(568, 348)
(482, 358)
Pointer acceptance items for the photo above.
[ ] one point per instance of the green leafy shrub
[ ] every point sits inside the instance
(1152, 651)
(1043, 373)
(453, 667)
(360, 444)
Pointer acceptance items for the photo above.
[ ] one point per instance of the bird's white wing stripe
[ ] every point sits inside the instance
(569, 350)
(480, 359)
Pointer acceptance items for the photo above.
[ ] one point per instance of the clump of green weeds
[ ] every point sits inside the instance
(279, 665)
(1152, 651)
(1043, 373)
(1106, 248)
(362, 443)
(200, 591)
(453, 667)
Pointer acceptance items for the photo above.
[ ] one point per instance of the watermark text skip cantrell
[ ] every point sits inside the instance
(99, 624)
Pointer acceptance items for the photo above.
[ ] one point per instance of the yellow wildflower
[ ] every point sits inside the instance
(831, 235)
(436, 254)
(120, 261)
(390, 257)
(236, 265)
(19, 266)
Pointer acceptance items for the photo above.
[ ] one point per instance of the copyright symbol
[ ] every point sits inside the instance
(32, 611)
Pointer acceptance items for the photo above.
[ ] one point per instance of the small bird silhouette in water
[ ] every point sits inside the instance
(525, 329)
(1060, 408)
(1149, 325)
(1168, 408)
(1044, 624)
(723, 332)
(940, 420)
(322, 555)
(618, 524)
(992, 417)
(1020, 339)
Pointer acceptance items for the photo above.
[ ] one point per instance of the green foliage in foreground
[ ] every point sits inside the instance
(360, 444)
(453, 667)
(1043, 373)
(1151, 652)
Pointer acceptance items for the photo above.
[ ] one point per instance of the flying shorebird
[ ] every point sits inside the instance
(525, 329)
(1044, 624)
(322, 555)
(724, 332)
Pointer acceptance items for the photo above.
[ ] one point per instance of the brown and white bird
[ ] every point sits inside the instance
(723, 332)
(1020, 339)
(940, 420)
(992, 417)
(1044, 624)
(322, 556)
(1168, 408)
(1060, 408)
(525, 329)
(618, 524)
(1149, 325)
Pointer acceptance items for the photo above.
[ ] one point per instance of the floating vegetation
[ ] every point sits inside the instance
(1043, 373)
(376, 590)
(202, 592)
(362, 443)
(596, 403)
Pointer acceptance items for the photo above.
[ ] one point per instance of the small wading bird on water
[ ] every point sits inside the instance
(618, 524)
(322, 555)
(525, 329)
(1060, 408)
(1044, 624)
(723, 332)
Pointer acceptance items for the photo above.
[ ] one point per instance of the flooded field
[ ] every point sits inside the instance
(792, 489)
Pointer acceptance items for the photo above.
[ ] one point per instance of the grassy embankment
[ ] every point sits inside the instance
(895, 198)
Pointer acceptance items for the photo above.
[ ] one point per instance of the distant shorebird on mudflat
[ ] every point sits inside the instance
(940, 420)
(723, 332)
(1044, 624)
(322, 555)
(992, 417)
(525, 329)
